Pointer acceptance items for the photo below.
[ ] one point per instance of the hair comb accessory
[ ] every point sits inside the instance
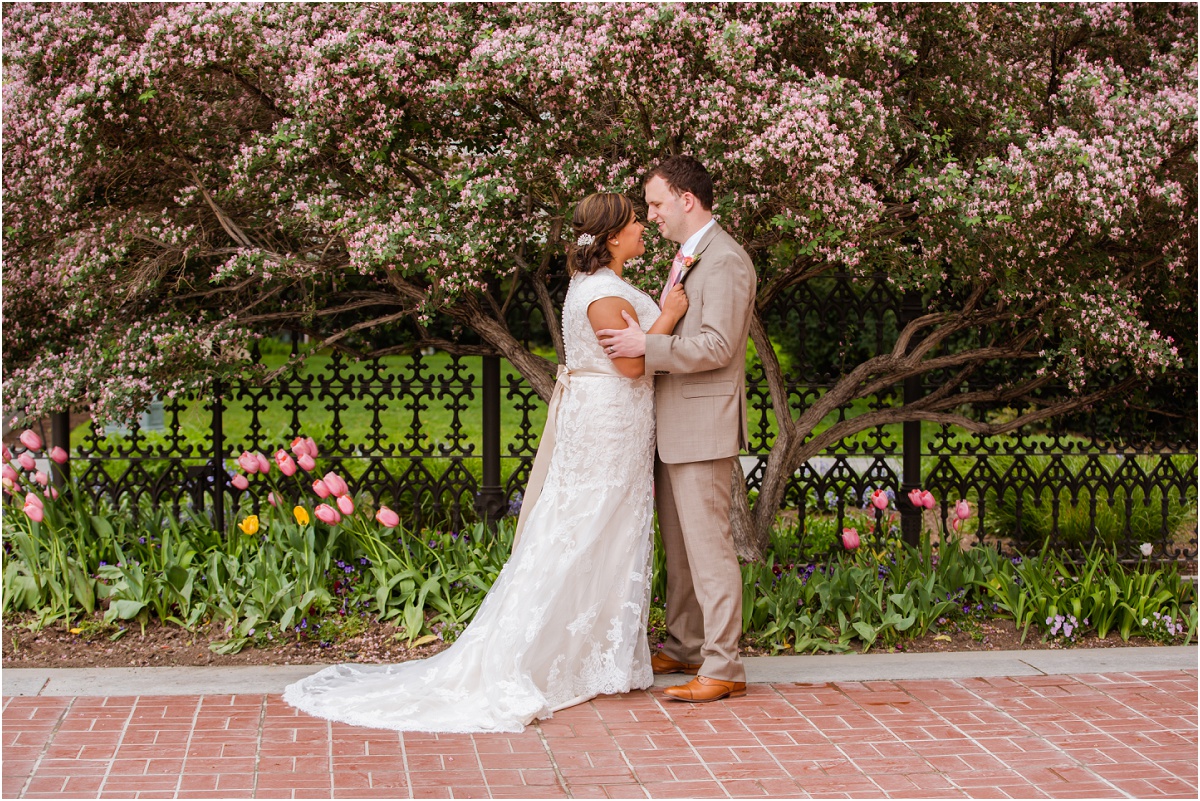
(584, 240)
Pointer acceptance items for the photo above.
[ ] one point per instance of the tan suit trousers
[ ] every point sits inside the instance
(704, 581)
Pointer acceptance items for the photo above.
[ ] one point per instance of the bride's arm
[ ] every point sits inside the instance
(606, 313)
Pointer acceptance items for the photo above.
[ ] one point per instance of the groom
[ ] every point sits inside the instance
(700, 373)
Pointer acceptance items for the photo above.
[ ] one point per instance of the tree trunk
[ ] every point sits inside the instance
(749, 541)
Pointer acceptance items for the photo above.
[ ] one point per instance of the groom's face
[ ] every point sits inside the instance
(667, 210)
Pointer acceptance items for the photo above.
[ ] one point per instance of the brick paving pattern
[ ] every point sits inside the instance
(1108, 736)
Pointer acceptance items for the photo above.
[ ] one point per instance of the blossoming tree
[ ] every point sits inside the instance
(178, 178)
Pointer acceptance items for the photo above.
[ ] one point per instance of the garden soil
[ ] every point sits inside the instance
(168, 645)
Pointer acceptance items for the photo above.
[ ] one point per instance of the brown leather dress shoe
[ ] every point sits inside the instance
(661, 663)
(702, 689)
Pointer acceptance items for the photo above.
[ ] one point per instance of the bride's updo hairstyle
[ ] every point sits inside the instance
(598, 218)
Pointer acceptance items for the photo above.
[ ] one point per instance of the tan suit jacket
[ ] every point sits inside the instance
(700, 369)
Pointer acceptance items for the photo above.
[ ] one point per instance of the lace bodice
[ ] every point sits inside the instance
(579, 340)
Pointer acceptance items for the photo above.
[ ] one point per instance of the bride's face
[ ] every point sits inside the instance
(629, 244)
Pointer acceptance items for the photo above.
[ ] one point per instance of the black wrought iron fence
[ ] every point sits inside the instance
(448, 438)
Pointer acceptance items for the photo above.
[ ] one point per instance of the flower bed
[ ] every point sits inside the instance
(317, 565)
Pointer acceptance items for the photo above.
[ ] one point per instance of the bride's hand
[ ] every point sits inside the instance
(676, 303)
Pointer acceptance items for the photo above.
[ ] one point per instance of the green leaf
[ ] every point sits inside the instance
(102, 526)
(147, 95)
(125, 609)
(231, 646)
(177, 576)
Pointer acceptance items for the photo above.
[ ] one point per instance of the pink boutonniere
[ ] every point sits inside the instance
(688, 263)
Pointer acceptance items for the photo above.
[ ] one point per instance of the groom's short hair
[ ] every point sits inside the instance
(685, 174)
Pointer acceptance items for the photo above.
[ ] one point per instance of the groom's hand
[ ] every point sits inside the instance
(623, 343)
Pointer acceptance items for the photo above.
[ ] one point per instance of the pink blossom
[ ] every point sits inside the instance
(304, 445)
(336, 485)
(9, 472)
(41, 478)
(248, 462)
(53, 493)
(927, 499)
(239, 482)
(59, 455)
(306, 462)
(7, 454)
(272, 499)
(31, 440)
(30, 498)
(264, 464)
(850, 538)
(387, 517)
(346, 504)
(327, 514)
(962, 510)
(35, 512)
(321, 489)
(286, 465)
(26, 461)
(879, 500)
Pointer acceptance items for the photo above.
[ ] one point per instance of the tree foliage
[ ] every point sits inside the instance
(179, 179)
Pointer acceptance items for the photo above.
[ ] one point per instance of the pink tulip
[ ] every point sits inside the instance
(327, 514)
(31, 440)
(336, 485)
(387, 517)
(239, 482)
(36, 514)
(41, 478)
(7, 454)
(264, 464)
(879, 500)
(962, 510)
(321, 490)
(346, 504)
(9, 472)
(286, 465)
(247, 462)
(922, 498)
(306, 462)
(59, 455)
(955, 523)
(304, 445)
(53, 494)
(26, 461)
(12, 485)
(850, 538)
(271, 499)
(31, 499)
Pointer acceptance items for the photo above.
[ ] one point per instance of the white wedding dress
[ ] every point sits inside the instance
(566, 618)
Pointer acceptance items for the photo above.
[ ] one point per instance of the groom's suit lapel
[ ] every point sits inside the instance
(701, 246)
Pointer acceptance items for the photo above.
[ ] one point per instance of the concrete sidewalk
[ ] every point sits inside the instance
(91, 682)
(1096, 723)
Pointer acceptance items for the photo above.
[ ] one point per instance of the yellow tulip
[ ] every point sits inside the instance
(249, 526)
(301, 515)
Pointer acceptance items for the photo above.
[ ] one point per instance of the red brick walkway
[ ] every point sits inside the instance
(1113, 735)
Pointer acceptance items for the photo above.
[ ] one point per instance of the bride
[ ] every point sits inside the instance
(566, 618)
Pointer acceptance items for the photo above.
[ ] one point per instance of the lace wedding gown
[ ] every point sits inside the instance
(566, 618)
